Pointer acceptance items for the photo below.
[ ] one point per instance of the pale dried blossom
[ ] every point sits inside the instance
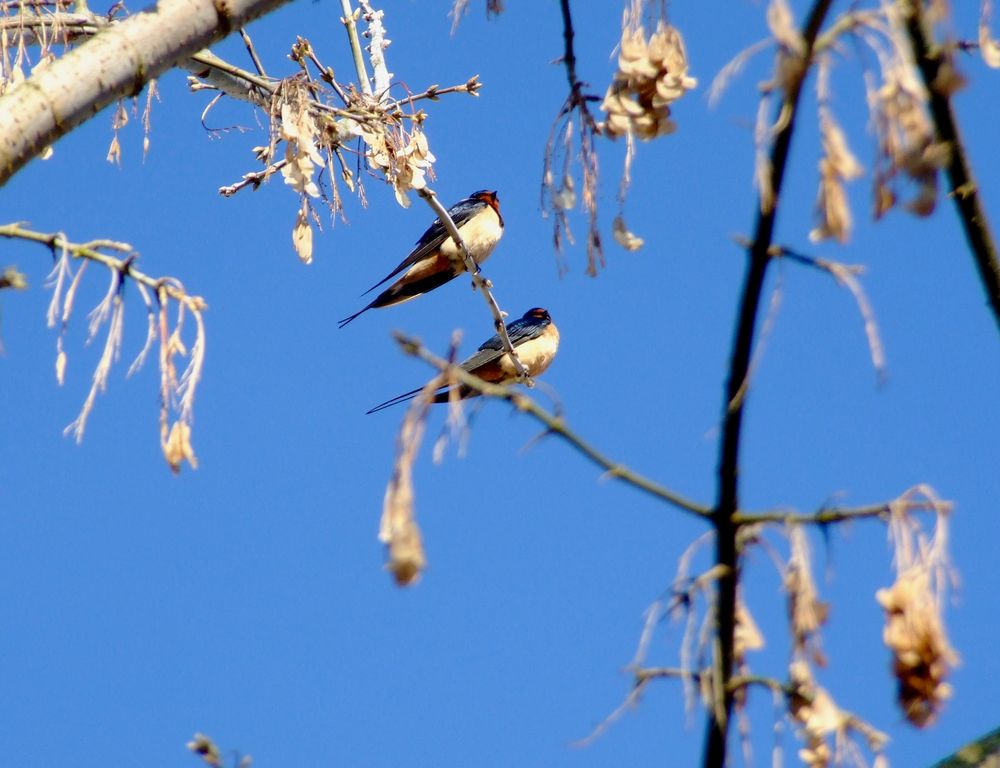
(791, 46)
(177, 447)
(906, 143)
(988, 46)
(398, 529)
(302, 235)
(652, 73)
(914, 630)
(782, 24)
(746, 635)
(177, 394)
(110, 311)
(404, 158)
(624, 236)
(806, 612)
(837, 166)
(819, 718)
(302, 157)
(206, 749)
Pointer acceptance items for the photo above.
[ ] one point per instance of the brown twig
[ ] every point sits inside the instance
(716, 738)
(555, 425)
(845, 275)
(255, 178)
(936, 68)
(470, 86)
(253, 53)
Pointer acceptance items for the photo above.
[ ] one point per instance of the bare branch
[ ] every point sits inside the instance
(716, 739)
(126, 267)
(555, 425)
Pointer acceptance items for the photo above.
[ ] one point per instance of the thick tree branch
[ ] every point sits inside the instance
(55, 99)
(937, 70)
(728, 473)
(554, 424)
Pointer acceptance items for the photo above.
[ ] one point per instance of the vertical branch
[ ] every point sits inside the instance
(352, 35)
(569, 57)
(726, 526)
(937, 71)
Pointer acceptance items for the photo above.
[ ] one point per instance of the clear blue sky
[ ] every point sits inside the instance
(247, 599)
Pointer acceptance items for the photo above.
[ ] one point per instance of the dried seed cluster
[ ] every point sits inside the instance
(921, 655)
(651, 74)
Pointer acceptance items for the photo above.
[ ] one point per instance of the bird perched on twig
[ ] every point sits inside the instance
(534, 337)
(436, 258)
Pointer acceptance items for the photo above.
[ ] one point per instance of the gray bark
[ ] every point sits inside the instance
(115, 63)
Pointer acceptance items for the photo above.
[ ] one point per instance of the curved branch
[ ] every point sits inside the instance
(554, 424)
(54, 100)
(125, 267)
(935, 68)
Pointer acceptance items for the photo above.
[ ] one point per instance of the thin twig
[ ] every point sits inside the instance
(576, 98)
(645, 674)
(554, 424)
(478, 281)
(125, 267)
(824, 516)
(253, 53)
(255, 178)
(352, 35)
(845, 275)
(471, 87)
(716, 738)
(937, 70)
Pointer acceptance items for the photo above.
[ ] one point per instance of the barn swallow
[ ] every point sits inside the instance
(436, 258)
(534, 337)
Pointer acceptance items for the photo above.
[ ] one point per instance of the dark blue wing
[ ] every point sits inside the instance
(436, 234)
(521, 330)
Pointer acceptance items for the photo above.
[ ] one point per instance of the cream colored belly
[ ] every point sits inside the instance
(535, 355)
(480, 235)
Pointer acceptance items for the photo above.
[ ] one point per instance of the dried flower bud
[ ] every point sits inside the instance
(177, 447)
(204, 747)
(302, 236)
(625, 237)
(61, 367)
(988, 47)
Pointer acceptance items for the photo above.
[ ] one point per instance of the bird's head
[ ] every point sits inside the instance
(489, 197)
(537, 313)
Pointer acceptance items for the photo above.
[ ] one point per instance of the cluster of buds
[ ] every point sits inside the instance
(651, 74)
